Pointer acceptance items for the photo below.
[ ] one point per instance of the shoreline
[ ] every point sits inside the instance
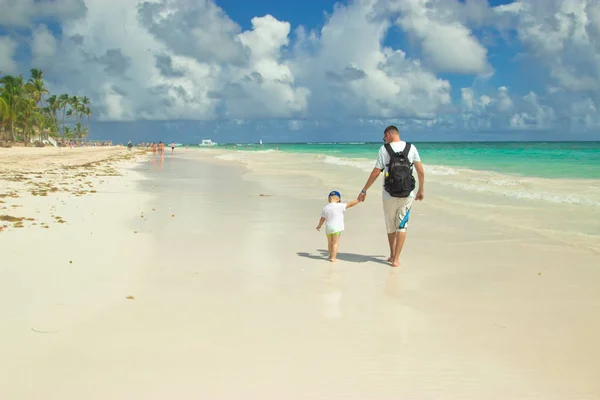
(440, 158)
(532, 205)
(228, 282)
(441, 169)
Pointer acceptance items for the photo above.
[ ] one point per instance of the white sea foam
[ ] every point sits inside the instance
(365, 165)
(534, 194)
(227, 157)
(504, 182)
(439, 170)
(465, 179)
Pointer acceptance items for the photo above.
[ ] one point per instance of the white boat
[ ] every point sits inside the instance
(260, 141)
(207, 143)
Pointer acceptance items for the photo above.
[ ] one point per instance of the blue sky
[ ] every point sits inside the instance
(237, 71)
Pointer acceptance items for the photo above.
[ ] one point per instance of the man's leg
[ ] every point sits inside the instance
(403, 215)
(400, 238)
(392, 242)
(390, 207)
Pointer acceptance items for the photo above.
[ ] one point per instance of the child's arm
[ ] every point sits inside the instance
(352, 203)
(321, 222)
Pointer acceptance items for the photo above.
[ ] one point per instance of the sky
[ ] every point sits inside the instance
(316, 70)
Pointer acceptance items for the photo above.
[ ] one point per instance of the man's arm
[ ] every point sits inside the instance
(421, 177)
(372, 178)
(321, 222)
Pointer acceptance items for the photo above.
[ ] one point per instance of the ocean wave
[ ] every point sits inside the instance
(439, 170)
(504, 182)
(228, 157)
(365, 165)
(534, 194)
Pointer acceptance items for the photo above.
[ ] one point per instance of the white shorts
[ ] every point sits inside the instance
(396, 211)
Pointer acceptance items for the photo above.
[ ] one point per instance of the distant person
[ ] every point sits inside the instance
(396, 158)
(333, 218)
(129, 145)
(172, 147)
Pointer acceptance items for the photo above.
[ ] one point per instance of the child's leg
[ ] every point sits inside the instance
(329, 245)
(334, 246)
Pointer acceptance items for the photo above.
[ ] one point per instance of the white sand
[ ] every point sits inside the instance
(234, 300)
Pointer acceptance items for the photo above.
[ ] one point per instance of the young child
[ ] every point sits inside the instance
(333, 216)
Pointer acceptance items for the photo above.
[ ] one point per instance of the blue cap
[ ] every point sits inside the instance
(335, 193)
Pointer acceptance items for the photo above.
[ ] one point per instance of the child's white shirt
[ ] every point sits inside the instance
(334, 217)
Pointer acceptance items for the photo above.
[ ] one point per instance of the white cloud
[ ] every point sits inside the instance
(187, 59)
(352, 75)
(133, 55)
(448, 44)
(22, 13)
(8, 47)
(43, 44)
(563, 36)
(266, 79)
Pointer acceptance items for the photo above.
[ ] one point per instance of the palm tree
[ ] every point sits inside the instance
(12, 92)
(25, 109)
(36, 87)
(63, 102)
(3, 115)
(52, 109)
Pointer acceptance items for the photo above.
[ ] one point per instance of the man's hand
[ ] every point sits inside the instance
(372, 178)
(319, 228)
(420, 195)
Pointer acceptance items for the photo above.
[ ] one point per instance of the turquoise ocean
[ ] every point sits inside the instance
(571, 160)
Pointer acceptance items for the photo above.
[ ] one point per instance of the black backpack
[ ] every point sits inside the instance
(399, 180)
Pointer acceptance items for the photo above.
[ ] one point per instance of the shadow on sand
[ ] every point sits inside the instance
(350, 257)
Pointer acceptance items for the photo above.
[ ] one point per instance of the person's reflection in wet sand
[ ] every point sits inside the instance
(395, 314)
(332, 295)
(393, 285)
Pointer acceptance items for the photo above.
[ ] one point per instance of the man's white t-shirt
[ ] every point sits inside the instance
(383, 158)
(334, 217)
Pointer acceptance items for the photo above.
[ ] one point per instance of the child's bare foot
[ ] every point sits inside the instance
(396, 264)
(390, 259)
(333, 259)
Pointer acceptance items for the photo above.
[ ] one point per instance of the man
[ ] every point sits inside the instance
(396, 210)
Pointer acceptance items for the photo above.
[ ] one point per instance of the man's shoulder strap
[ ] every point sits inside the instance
(392, 153)
(406, 150)
(389, 149)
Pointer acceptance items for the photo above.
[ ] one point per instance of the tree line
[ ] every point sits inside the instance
(30, 113)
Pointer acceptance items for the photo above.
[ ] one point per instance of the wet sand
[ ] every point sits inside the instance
(233, 297)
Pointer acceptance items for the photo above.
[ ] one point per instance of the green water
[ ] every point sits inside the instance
(536, 159)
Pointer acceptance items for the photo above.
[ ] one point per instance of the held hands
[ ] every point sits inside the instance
(319, 228)
(362, 196)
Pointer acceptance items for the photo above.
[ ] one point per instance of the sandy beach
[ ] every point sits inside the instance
(201, 275)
